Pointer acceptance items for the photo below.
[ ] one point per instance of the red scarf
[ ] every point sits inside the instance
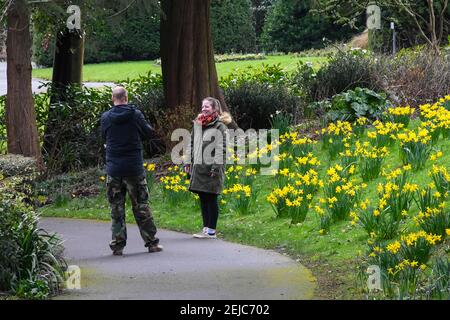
(204, 120)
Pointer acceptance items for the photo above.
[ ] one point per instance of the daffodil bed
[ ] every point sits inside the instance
(363, 194)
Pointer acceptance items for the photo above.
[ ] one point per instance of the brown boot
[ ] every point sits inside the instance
(155, 248)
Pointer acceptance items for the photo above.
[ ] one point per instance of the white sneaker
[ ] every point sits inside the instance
(204, 235)
(201, 235)
(198, 235)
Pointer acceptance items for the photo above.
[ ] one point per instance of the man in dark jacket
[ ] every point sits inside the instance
(124, 127)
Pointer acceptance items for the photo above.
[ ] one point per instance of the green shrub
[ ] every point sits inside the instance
(291, 26)
(344, 71)
(302, 78)
(13, 165)
(59, 189)
(263, 74)
(357, 103)
(72, 138)
(252, 103)
(75, 124)
(254, 94)
(32, 289)
(413, 77)
(145, 91)
(31, 262)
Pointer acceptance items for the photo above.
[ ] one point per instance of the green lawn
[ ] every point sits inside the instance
(333, 258)
(117, 71)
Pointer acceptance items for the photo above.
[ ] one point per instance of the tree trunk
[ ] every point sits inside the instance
(68, 60)
(187, 55)
(20, 113)
(67, 71)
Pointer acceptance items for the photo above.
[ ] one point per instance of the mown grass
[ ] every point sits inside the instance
(117, 71)
(333, 258)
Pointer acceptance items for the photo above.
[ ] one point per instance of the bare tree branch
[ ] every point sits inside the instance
(410, 11)
(432, 21)
(122, 11)
(5, 9)
(38, 1)
(414, 16)
(442, 21)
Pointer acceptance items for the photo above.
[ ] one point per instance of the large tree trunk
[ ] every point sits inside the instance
(68, 60)
(20, 113)
(187, 56)
(67, 71)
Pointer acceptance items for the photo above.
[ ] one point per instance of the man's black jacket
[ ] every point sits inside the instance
(124, 127)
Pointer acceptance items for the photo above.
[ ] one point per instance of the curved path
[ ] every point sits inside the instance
(36, 83)
(188, 269)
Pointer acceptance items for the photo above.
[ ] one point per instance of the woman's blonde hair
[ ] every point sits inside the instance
(215, 103)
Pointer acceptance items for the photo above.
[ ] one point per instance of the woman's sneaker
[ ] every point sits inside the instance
(211, 236)
(204, 235)
(200, 235)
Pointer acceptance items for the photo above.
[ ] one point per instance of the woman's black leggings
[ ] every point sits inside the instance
(210, 209)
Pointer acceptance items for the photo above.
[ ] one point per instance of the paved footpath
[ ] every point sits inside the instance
(37, 83)
(187, 269)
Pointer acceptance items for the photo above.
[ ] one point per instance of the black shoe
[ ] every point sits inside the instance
(118, 252)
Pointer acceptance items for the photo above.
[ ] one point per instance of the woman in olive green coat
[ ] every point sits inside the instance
(208, 156)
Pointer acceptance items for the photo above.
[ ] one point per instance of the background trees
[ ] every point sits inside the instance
(417, 22)
(291, 26)
(431, 28)
(115, 30)
(252, 25)
(232, 26)
(260, 9)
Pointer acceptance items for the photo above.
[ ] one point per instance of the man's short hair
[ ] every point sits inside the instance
(119, 93)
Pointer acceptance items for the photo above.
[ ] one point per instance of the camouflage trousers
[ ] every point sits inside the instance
(117, 188)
